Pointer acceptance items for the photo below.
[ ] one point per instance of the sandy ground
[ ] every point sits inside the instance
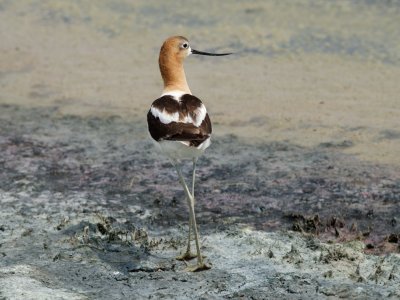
(297, 198)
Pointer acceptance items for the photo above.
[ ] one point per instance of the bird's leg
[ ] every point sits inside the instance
(200, 263)
(188, 255)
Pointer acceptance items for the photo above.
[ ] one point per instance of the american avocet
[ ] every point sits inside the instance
(179, 123)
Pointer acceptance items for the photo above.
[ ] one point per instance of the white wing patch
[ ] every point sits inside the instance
(200, 114)
(164, 117)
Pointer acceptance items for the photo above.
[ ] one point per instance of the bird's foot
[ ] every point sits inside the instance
(186, 256)
(199, 267)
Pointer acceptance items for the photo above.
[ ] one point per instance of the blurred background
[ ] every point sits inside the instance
(306, 71)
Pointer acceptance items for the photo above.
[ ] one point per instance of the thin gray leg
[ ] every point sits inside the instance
(190, 201)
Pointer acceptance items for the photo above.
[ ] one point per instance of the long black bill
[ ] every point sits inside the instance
(209, 54)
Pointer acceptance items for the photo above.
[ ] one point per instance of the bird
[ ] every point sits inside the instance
(179, 124)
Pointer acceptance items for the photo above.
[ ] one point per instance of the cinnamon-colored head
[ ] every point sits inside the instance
(175, 48)
(172, 53)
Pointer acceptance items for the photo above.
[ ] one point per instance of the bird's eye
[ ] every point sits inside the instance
(185, 45)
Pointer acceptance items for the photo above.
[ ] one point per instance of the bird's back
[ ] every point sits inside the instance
(182, 120)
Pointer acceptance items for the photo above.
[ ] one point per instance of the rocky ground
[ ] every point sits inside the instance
(89, 211)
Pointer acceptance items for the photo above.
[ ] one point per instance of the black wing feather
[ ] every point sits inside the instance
(178, 131)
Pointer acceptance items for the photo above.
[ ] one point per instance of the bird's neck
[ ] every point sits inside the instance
(173, 75)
